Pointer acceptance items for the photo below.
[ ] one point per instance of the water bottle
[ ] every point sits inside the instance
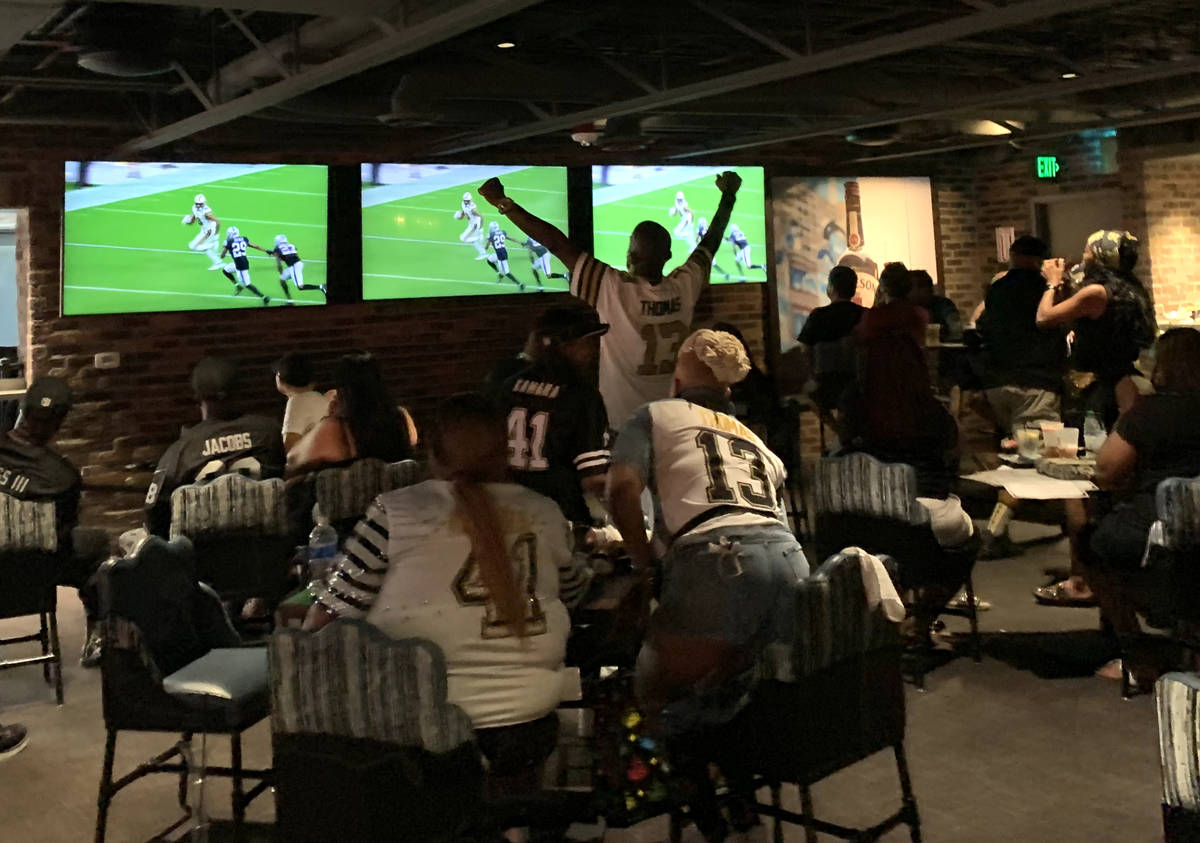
(1093, 433)
(322, 551)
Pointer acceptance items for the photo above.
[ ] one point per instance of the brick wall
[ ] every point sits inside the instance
(1171, 196)
(428, 348)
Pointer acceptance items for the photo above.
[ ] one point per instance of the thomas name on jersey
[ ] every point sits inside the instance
(724, 422)
(227, 444)
(662, 308)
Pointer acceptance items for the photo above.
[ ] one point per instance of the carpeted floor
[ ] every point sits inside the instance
(1025, 746)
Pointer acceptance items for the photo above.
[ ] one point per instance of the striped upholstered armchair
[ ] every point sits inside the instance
(343, 494)
(1177, 696)
(239, 528)
(28, 569)
(366, 746)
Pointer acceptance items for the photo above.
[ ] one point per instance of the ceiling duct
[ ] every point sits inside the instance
(128, 40)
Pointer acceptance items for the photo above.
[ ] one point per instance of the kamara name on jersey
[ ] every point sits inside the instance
(543, 390)
(661, 308)
(226, 444)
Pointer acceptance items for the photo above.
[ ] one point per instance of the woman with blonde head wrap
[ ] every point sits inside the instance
(730, 558)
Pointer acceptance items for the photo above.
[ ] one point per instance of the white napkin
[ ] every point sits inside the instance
(878, 585)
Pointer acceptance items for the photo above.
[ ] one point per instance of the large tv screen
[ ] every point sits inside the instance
(141, 236)
(427, 233)
(683, 200)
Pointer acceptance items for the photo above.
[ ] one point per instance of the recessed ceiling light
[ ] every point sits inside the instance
(506, 45)
(1070, 76)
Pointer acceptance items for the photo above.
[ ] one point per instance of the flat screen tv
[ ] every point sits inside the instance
(140, 236)
(427, 232)
(683, 200)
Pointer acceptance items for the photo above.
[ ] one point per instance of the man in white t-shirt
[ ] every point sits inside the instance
(305, 406)
(650, 314)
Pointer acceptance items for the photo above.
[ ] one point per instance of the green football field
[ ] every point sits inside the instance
(131, 254)
(613, 220)
(411, 247)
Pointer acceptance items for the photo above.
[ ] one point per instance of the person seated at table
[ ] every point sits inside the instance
(225, 441)
(471, 562)
(942, 312)
(830, 324)
(1113, 321)
(1156, 439)
(30, 470)
(305, 406)
(364, 421)
(730, 561)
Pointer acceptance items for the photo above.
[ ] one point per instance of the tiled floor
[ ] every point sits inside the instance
(1025, 746)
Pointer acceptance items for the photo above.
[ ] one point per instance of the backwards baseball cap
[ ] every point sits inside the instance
(213, 377)
(566, 322)
(47, 395)
(722, 353)
(1029, 246)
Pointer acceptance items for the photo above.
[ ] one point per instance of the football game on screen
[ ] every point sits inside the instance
(427, 233)
(682, 200)
(141, 236)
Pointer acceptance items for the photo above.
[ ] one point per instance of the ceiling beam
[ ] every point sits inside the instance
(753, 34)
(76, 83)
(407, 40)
(1171, 115)
(1039, 94)
(21, 18)
(1016, 14)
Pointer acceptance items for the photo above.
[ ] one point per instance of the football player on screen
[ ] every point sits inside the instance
(238, 272)
(496, 240)
(741, 250)
(683, 229)
(473, 233)
(701, 230)
(539, 260)
(290, 267)
(206, 241)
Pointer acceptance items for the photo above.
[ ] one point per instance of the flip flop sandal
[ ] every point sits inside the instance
(1058, 595)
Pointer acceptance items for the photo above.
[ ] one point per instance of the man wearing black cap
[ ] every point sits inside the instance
(224, 442)
(557, 423)
(1023, 365)
(30, 470)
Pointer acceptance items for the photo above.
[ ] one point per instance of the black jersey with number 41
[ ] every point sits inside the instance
(557, 435)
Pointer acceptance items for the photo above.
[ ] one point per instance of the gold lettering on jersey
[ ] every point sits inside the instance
(662, 308)
(727, 423)
(226, 444)
(537, 388)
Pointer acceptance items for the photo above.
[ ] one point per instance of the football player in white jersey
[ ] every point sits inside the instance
(650, 314)
(473, 233)
(238, 270)
(290, 266)
(731, 562)
(206, 241)
(497, 239)
(683, 228)
(472, 562)
(741, 250)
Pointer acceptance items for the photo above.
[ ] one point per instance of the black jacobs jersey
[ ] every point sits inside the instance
(250, 445)
(557, 435)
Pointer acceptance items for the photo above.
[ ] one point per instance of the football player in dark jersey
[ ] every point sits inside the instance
(498, 259)
(31, 471)
(539, 260)
(557, 424)
(224, 442)
(290, 267)
(238, 272)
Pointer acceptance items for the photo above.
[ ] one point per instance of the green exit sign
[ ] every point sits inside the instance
(1047, 166)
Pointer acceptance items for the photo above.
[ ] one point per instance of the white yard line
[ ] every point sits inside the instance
(501, 284)
(170, 293)
(180, 216)
(174, 251)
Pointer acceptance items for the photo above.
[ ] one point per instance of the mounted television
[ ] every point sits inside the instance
(683, 200)
(141, 236)
(427, 233)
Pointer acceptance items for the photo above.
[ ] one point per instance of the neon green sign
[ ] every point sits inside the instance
(1047, 166)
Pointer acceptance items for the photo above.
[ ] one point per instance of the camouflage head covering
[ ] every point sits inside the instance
(1118, 250)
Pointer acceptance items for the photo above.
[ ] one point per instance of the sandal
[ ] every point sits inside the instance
(1059, 594)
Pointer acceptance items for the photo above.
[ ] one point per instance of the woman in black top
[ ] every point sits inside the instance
(1156, 439)
(1113, 321)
